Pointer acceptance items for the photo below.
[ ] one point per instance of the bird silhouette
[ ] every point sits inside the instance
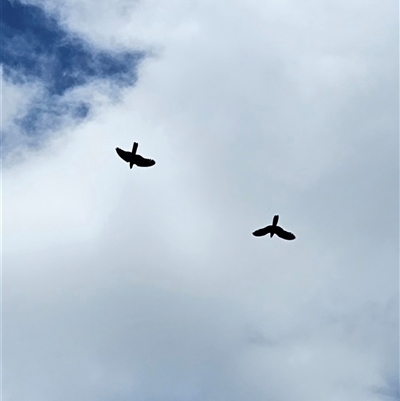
(274, 229)
(132, 158)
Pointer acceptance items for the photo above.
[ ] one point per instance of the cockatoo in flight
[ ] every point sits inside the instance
(274, 229)
(132, 158)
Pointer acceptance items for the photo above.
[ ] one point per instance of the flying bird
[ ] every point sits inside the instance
(132, 158)
(274, 229)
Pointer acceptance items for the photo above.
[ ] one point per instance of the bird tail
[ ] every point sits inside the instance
(133, 155)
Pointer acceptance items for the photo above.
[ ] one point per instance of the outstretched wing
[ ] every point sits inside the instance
(280, 232)
(143, 162)
(262, 231)
(124, 155)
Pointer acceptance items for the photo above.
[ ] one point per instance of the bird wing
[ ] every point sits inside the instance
(143, 162)
(262, 231)
(124, 155)
(280, 232)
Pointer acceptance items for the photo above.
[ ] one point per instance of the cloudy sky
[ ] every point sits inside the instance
(146, 284)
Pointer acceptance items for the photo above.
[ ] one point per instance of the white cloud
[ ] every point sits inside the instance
(147, 284)
(16, 98)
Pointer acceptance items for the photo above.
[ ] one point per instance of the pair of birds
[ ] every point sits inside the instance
(134, 159)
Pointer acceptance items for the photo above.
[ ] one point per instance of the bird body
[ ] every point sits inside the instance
(132, 158)
(274, 229)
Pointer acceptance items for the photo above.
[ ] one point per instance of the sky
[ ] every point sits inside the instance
(147, 284)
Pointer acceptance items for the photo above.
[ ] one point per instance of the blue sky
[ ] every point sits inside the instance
(37, 48)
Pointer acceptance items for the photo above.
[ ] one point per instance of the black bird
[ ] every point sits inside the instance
(274, 229)
(132, 158)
